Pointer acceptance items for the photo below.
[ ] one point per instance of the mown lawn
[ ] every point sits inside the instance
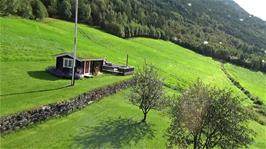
(255, 82)
(110, 123)
(27, 85)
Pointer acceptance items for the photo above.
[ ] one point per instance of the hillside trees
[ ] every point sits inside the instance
(207, 117)
(52, 7)
(64, 9)
(147, 94)
(33, 9)
(25, 10)
(38, 10)
(115, 29)
(9, 7)
(84, 11)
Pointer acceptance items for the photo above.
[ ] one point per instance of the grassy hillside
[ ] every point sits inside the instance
(28, 47)
(229, 29)
(26, 85)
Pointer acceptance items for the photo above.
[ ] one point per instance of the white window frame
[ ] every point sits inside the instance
(67, 63)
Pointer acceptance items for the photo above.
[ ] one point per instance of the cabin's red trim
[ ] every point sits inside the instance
(84, 67)
(87, 65)
(89, 70)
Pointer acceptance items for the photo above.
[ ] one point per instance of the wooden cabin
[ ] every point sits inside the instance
(84, 67)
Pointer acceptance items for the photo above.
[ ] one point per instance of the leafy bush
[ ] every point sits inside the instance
(258, 102)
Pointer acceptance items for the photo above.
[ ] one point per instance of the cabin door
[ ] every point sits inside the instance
(87, 66)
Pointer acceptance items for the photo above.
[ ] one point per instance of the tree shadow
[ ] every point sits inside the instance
(42, 75)
(114, 133)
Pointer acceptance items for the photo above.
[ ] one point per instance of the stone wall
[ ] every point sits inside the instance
(23, 119)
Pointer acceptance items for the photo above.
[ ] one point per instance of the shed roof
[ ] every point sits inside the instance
(79, 58)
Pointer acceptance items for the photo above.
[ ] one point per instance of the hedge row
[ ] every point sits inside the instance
(255, 99)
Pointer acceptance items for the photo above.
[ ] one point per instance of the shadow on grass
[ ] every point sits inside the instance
(42, 75)
(114, 133)
(36, 91)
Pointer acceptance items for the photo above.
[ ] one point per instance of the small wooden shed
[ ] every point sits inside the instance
(84, 67)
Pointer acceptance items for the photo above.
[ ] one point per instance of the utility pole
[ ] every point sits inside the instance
(75, 45)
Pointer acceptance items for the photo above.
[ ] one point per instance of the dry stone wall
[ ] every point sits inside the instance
(23, 119)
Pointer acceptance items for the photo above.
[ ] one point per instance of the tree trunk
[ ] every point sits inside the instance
(144, 118)
(196, 146)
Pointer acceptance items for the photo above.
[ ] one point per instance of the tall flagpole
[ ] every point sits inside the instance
(75, 45)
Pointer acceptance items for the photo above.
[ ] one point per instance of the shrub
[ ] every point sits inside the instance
(258, 102)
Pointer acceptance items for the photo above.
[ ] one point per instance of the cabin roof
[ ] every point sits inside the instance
(78, 58)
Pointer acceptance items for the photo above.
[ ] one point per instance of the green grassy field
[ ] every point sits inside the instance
(26, 85)
(111, 123)
(28, 47)
(38, 42)
(255, 82)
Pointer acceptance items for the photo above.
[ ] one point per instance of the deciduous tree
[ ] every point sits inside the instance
(148, 92)
(64, 7)
(38, 9)
(207, 117)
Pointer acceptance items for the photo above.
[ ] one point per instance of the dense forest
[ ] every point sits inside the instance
(217, 28)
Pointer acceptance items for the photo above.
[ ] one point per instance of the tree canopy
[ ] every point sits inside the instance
(32, 9)
(147, 93)
(207, 117)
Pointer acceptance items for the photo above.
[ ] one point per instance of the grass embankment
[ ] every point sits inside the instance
(255, 82)
(28, 47)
